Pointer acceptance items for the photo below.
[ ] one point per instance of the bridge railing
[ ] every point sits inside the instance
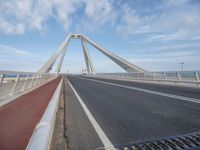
(186, 77)
(13, 83)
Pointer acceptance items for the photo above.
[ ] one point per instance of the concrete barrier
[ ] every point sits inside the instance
(42, 134)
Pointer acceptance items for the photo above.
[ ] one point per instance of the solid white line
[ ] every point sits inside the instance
(149, 91)
(106, 142)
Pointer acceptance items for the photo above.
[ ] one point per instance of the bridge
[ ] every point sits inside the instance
(134, 110)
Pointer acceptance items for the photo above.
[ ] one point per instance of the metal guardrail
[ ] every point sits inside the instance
(12, 83)
(42, 134)
(186, 77)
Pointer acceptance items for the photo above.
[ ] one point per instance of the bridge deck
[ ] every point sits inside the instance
(19, 118)
(128, 115)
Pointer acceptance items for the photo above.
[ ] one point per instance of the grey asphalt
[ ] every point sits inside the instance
(127, 115)
(80, 134)
(192, 92)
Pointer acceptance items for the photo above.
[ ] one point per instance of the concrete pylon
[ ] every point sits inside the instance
(127, 66)
(88, 60)
(50, 62)
(63, 55)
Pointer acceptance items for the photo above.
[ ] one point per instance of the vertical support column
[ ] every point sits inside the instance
(88, 60)
(63, 54)
(47, 66)
(127, 66)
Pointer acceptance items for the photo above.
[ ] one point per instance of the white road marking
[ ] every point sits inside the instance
(149, 91)
(106, 142)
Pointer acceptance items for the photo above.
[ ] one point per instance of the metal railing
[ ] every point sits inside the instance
(186, 77)
(12, 83)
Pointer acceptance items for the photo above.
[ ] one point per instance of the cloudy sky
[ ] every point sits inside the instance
(154, 34)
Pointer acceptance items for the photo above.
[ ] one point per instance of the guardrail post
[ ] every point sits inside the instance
(2, 78)
(32, 81)
(44, 78)
(144, 75)
(27, 77)
(178, 76)
(15, 85)
(39, 78)
(153, 75)
(36, 79)
(40, 81)
(197, 77)
(164, 75)
(48, 76)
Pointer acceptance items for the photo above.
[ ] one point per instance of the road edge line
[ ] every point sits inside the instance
(106, 142)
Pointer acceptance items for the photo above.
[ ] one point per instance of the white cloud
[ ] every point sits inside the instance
(175, 20)
(168, 63)
(99, 12)
(177, 47)
(6, 50)
(20, 16)
(130, 20)
(12, 58)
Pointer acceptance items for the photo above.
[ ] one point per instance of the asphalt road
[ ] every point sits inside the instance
(80, 134)
(128, 115)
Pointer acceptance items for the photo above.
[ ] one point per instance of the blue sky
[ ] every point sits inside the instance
(156, 35)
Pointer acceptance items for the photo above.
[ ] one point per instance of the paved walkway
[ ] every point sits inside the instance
(19, 118)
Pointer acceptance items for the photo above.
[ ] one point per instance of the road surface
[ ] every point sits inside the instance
(127, 114)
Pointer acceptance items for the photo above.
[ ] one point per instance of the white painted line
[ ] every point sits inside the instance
(149, 91)
(106, 142)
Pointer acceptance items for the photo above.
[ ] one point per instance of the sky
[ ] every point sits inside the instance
(156, 35)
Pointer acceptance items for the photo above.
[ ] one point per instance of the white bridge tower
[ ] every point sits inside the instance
(61, 51)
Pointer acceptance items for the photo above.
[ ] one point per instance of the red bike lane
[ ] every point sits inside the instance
(19, 118)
